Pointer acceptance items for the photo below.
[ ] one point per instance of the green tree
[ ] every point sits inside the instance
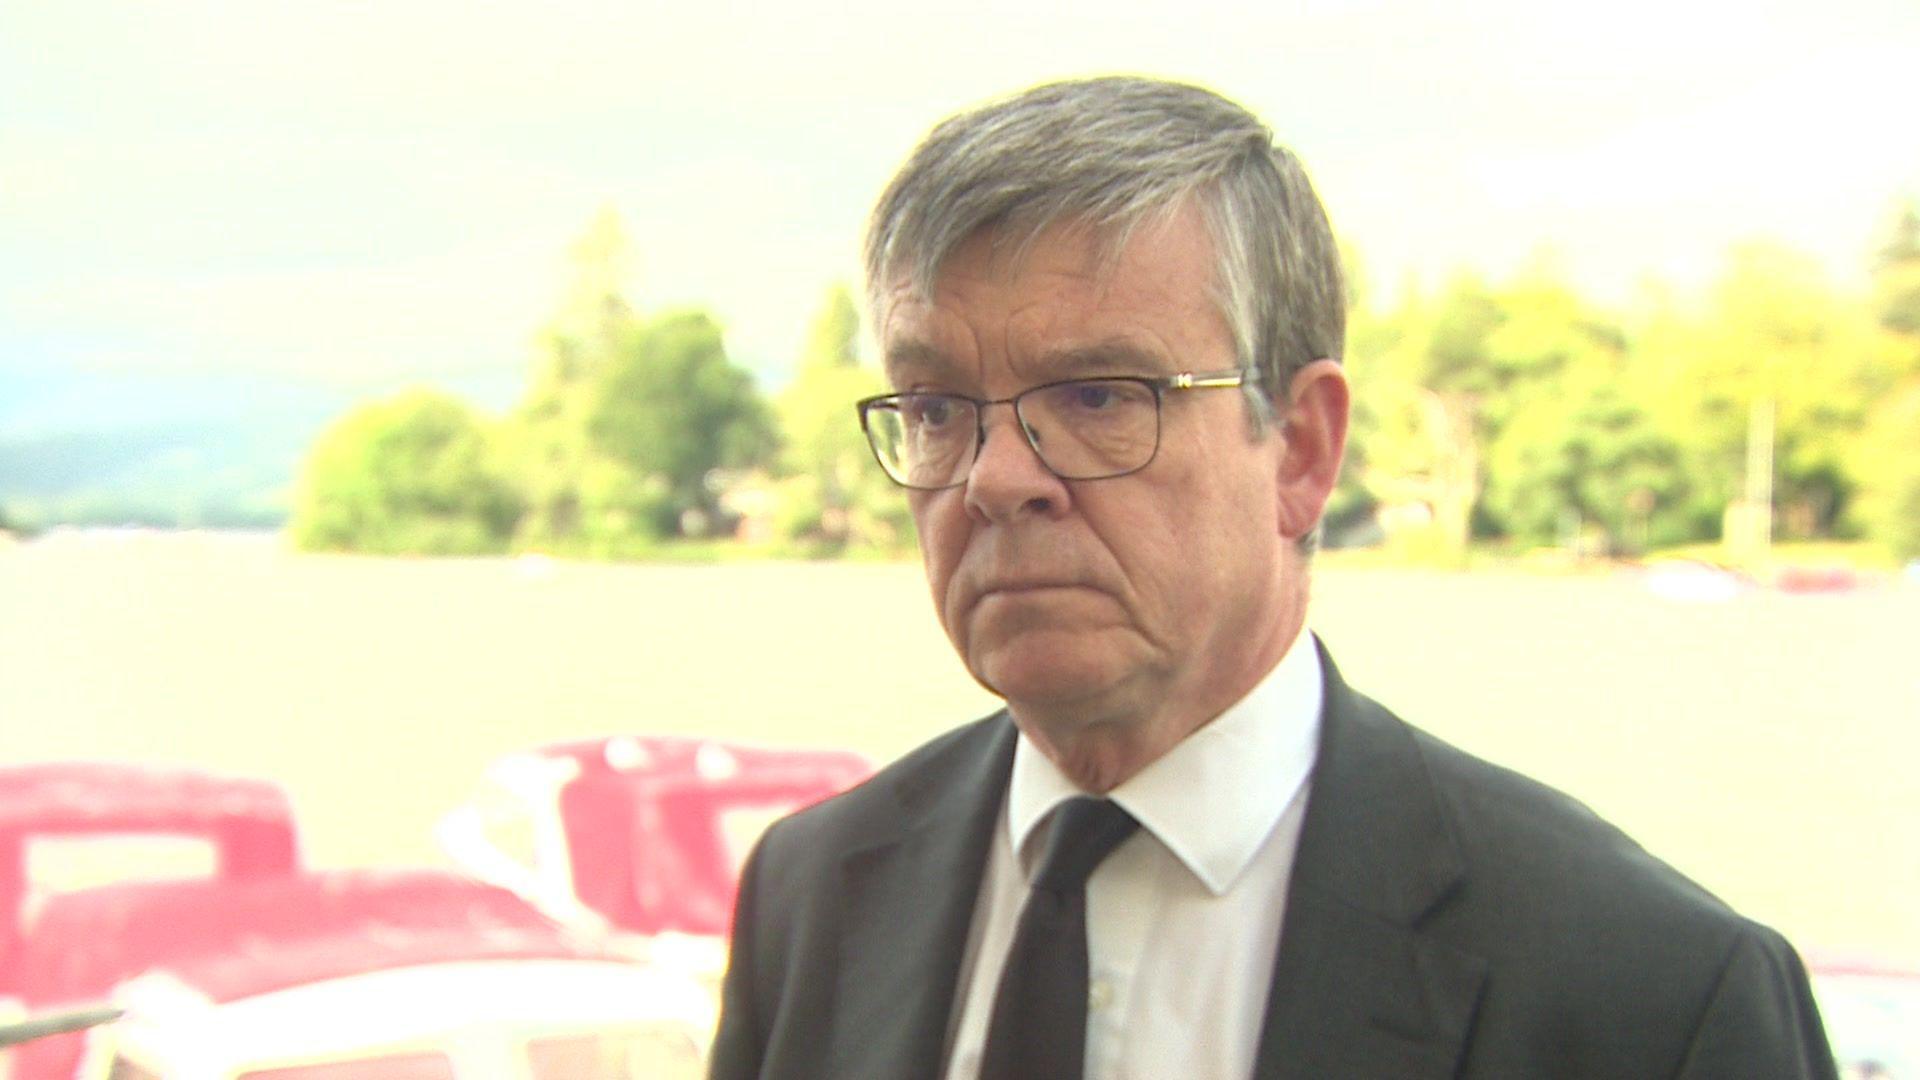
(1428, 386)
(1351, 510)
(1572, 455)
(1585, 463)
(1896, 276)
(1887, 460)
(569, 493)
(414, 474)
(1511, 412)
(671, 406)
(832, 494)
(1774, 339)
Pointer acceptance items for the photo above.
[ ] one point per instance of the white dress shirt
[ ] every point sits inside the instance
(1183, 919)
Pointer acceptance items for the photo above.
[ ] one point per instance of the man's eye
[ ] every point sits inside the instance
(930, 412)
(1094, 397)
(1101, 396)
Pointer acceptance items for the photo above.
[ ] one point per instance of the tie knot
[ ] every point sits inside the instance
(1085, 831)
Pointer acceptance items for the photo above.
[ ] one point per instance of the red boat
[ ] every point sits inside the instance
(260, 970)
(640, 834)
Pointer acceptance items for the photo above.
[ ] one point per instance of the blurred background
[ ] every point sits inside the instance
(388, 387)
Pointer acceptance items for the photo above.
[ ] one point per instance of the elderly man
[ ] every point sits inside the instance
(1112, 316)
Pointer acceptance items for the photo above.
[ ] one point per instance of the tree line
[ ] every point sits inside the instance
(635, 430)
(1515, 413)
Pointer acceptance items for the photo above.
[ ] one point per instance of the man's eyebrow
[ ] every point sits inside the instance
(911, 357)
(1115, 356)
(914, 359)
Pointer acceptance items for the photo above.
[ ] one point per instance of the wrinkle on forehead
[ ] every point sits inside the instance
(1010, 239)
(1001, 254)
(923, 342)
(1116, 355)
(1062, 306)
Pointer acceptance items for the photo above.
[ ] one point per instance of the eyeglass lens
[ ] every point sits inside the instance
(1082, 430)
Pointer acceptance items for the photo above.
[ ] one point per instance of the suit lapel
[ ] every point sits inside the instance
(1357, 989)
(906, 926)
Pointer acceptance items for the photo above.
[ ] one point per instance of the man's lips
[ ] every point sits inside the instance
(1027, 586)
(1019, 588)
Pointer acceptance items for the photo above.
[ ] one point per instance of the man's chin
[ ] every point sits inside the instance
(1047, 679)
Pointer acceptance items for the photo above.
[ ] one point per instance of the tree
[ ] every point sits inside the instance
(1428, 388)
(1586, 461)
(833, 494)
(673, 407)
(1351, 513)
(1573, 457)
(553, 457)
(1887, 460)
(411, 474)
(1775, 339)
(1896, 276)
(1511, 412)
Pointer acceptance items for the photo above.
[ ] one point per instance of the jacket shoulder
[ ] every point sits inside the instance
(1588, 936)
(1513, 827)
(791, 916)
(874, 808)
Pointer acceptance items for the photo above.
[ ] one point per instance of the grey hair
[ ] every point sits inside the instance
(1117, 153)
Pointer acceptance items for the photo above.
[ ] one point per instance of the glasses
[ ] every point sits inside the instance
(1081, 429)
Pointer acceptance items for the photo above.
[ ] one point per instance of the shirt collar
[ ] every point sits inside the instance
(1215, 796)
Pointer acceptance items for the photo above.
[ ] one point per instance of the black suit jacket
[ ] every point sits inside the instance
(1445, 918)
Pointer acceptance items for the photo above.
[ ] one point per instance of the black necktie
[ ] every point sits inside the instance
(1039, 1025)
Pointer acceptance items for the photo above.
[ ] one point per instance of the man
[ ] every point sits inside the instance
(1112, 315)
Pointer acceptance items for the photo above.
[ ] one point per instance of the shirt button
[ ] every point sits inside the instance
(1099, 995)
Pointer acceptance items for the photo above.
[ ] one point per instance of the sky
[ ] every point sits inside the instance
(361, 194)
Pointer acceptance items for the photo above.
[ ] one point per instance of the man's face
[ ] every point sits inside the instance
(1151, 600)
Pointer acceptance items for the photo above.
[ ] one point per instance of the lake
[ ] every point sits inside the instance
(1766, 744)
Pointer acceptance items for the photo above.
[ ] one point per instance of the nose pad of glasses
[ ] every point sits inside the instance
(1032, 433)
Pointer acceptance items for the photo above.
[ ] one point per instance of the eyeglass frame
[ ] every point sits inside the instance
(1185, 380)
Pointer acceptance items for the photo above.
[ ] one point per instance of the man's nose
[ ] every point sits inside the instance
(1008, 478)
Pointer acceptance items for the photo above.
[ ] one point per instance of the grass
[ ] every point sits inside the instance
(1765, 745)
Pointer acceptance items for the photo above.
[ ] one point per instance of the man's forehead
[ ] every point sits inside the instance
(1071, 301)
(1005, 251)
(1068, 243)
(907, 357)
(910, 358)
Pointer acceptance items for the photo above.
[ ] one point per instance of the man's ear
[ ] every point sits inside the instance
(1313, 424)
